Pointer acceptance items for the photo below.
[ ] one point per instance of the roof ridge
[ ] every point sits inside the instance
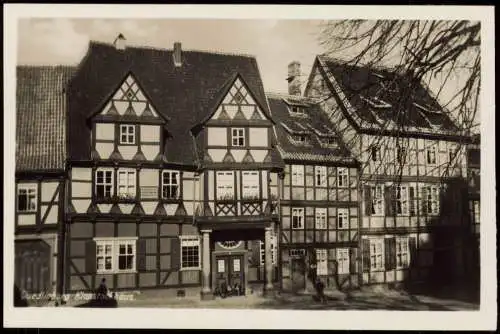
(155, 48)
(393, 69)
(288, 96)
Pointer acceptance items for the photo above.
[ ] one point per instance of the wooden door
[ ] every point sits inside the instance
(221, 271)
(32, 266)
(236, 271)
(298, 274)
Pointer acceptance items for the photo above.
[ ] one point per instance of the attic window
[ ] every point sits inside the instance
(297, 110)
(328, 141)
(299, 139)
(375, 102)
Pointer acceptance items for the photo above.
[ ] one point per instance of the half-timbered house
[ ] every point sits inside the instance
(413, 167)
(173, 173)
(40, 177)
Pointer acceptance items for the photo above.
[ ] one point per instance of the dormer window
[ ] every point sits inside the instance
(300, 139)
(298, 111)
(127, 134)
(328, 142)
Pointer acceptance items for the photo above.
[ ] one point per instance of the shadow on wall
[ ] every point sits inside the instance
(19, 300)
(454, 272)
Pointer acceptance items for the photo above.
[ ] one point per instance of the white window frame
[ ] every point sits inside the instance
(296, 252)
(114, 245)
(377, 254)
(250, 181)
(238, 134)
(225, 185)
(297, 172)
(321, 219)
(190, 241)
(298, 213)
(321, 261)
(127, 131)
(342, 177)
(378, 202)
(274, 251)
(30, 191)
(320, 176)
(343, 261)
(342, 218)
(104, 183)
(431, 155)
(402, 198)
(402, 252)
(170, 185)
(432, 200)
(130, 187)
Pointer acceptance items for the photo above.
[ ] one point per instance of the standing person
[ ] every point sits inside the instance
(320, 289)
(102, 290)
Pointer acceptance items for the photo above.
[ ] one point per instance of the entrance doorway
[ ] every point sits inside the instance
(298, 274)
(32, 266)
(230, 273)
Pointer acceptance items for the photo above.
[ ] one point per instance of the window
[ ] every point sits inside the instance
(375, 153)
(402, 253)
(320, 176)
(104, 183)
(115, 255)
(321, 262)
(343, 260)
(225, 185)
(342, 177)
(477, 212)
(250, 181)
(274, 251)
(126, 183)
(296, 110)
(26, 198)
(170, 184)
(377, 254)
(238, 136)
(300, 139)
(297, 175)
(190, 252)
(127, 134)
(320, 221)
(377, 200)
(401, 155)
(342, 218)
(401, 198)
(432, 199)
(431, 155)
(297, 218)
(297, 252)
(328, 142)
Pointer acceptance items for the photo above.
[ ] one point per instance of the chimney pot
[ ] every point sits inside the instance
(177, 54)
(120, 42)
(294, 78)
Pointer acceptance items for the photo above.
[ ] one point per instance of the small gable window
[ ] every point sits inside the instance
(300, 139)
(298, 110)
(26, 198)
(238, 136)
(127, 134)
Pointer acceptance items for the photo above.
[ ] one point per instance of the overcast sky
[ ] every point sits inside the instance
(275, 43)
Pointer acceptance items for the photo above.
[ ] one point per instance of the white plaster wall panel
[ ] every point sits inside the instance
(258, 136)
(138, 107)
(188, 189)
(211, 185)
(105, 131)
(104, 208)
(258, 155)
(217, 155)
(81, 205)
(127, 151)
(24, 220)
(189, 208)
(217, 113)
(264, 176)
(126, 208)
(84, 174)
(149, 207)
(217, 136)
(238, 154)
(389, 276)
(81, 189)
(48, 190)
(52, 217)
(188, 175)
(104, 111)
(121, 106)
(148, 177)
(150, 133)
(171, 208)
(212, 207)
(231, 110)
(150, 151)
(104, 149)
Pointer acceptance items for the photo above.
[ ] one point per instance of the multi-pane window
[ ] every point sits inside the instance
(250, 181)
(26, 198)
(274, 251)
(238, 136)
(377, 254)
(127, 134)
(343, 260)
(342, 177)
(297, 252)
(190, 252)
(320, 220)
(297, 175)
(321, 262)
(377, 200)
(225, 185)
(296, 110)
(170, 184)
(342, 218)
(432, 199)
(320, 176)
(297, 218)
(300, 139)
(402, 254)
(104, 183)
(401, 198)
(115, 255)
(431, 155)
(126, 183)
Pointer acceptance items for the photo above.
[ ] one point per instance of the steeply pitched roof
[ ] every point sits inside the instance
(41, 117)
(375, 96)
(184, 94)
(315, 124)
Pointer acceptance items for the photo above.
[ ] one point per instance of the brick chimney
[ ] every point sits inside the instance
(177, 54)
(294, 78)
(120, 42)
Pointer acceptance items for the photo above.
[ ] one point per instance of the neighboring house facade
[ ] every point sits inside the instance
(474, 182)
(172, 171)
(414, 221)
(40, 177)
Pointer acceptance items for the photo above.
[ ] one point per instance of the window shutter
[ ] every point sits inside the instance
(141, 254)
(388, 199)
(390, 253)
(352, 261)
(366, 254)
(90, 257)
(411, 204)
(368, 200)
(423, 200)
(175, 253)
